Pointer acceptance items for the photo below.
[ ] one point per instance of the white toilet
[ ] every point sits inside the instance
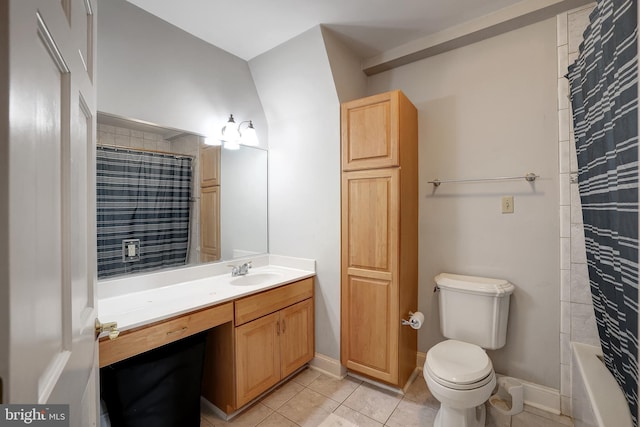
(473, 315)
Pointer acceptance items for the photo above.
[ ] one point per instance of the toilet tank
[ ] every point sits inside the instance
(474, 309)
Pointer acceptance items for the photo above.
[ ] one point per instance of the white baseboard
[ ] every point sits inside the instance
(538, 396)
(328, 365)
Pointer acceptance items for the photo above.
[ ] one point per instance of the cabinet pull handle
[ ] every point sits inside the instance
(179, 331)
(283, 326)
(278, 328)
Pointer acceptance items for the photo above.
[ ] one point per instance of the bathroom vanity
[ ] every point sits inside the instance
(260, 327)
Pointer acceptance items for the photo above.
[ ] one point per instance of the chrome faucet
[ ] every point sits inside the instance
(240, 270)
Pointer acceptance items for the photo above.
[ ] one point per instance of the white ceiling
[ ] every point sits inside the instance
(247, 28)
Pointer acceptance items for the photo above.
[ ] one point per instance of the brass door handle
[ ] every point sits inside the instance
(110, 327)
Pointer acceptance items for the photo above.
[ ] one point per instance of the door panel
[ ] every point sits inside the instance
(50, 281)
(209, 166)
(370, 132)
(256, 371)
(369, 211)
(81, 173)
(210, 223)
(296, 338)
(82, 23)
(51, 351)
(370, 326)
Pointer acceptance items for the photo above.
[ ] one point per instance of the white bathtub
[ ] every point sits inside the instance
(597, 398)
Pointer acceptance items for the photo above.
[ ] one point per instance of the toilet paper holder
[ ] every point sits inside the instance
(415, 320)
(405, 322)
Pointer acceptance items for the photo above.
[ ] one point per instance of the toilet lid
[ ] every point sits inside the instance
(458, 362)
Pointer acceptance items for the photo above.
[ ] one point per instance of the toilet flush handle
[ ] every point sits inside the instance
(435, 288)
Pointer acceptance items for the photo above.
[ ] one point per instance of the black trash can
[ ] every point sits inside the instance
(159, 388)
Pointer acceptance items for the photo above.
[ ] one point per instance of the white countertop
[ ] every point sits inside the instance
(146, 303)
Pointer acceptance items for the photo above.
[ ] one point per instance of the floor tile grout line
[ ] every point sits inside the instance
(329, 397)
(287, 418)
(360, 413)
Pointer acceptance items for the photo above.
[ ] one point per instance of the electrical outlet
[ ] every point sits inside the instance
(507, 204)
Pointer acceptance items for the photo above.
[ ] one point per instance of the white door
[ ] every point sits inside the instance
(48, 350)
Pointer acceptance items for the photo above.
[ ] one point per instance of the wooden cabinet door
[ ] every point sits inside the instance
(257, 357)
(370, 327)
(370, 132)
(210, 224)
(370, 219)
(296, 337)
(209, 165)
(370, 307)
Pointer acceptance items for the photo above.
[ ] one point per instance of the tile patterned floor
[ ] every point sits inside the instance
(309, 397)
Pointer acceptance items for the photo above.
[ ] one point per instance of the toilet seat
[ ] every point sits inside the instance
(459, 365)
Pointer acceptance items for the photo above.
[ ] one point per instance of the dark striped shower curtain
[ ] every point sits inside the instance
(142, 196)
(604, 98)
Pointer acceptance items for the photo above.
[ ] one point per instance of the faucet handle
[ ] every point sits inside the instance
(234, 269)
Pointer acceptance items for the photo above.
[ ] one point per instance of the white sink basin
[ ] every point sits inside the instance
(255, 279)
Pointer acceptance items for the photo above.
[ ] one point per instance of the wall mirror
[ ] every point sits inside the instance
(222, 218)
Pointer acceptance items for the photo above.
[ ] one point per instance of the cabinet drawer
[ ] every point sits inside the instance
(137, 341)
(258, 305)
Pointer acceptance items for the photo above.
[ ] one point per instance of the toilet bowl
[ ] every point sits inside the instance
(461, 377)
(458, 372)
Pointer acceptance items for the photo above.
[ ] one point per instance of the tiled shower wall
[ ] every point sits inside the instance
(151, 141)
(577, 320)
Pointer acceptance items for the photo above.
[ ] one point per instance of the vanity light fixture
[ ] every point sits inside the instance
(229, 132)
(248, 136)
(232, 136)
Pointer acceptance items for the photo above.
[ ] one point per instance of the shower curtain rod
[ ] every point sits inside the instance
(530, 177)
(142, 150)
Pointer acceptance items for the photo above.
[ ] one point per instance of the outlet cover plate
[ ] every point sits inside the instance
(130, 250)
(507, 204)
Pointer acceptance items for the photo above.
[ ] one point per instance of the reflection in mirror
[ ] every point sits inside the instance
(234, 203)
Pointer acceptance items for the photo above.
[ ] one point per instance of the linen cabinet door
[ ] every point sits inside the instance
(297, 336)
(210, 224)
(209, 165)
(370, 333)
(370, 132)
(369, 311)
(257, 357)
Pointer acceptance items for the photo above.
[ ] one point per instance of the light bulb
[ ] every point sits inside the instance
(249, 136)
(230, 131)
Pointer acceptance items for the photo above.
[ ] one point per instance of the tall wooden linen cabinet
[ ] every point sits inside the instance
(209, 203)
(379, 277)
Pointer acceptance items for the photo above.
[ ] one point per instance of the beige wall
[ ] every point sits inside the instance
(485, 110)
(150, 70)
(297, 91)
